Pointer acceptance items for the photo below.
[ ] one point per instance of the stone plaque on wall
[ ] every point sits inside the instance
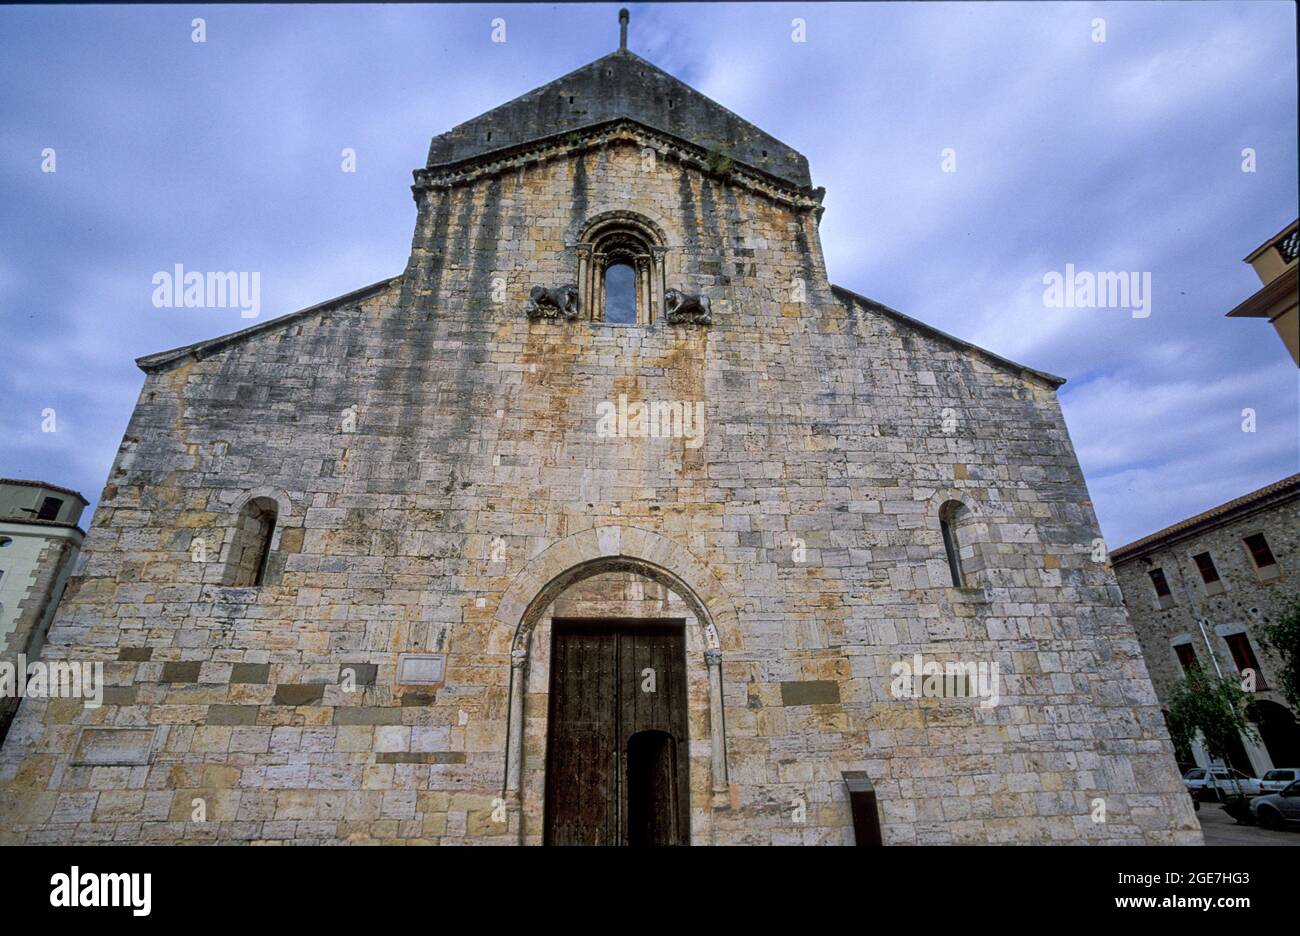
(810, 692)
(114, 747)
(421, 669)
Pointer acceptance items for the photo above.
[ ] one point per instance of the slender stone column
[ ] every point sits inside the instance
(599, 260)
(643, 312)
(659, 279)
(713, 660)
(584, 280)
(515, 729)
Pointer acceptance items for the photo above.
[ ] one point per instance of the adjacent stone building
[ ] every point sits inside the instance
(1198, 592)
(39, 541)
(459, 558)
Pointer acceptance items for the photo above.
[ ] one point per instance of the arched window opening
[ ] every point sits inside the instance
(250, 551)
(620, 269)
(620, 294)
(951, 545)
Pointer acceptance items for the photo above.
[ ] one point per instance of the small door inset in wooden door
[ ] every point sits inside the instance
(652, 788)
(616, 765)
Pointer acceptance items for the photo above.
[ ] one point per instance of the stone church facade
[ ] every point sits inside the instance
(415, 566)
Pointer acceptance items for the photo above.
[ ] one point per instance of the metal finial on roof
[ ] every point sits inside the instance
(622, 28)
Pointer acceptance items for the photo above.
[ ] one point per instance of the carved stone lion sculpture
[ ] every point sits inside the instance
(552, 303)
(682, 307)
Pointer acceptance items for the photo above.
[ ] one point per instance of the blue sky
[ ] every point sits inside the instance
(1117, 156)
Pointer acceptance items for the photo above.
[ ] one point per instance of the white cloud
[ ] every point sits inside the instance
(1121, 155)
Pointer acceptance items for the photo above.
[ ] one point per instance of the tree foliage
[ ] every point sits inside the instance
(1283, 635)
(1213, 708)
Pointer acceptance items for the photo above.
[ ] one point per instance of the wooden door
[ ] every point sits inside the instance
(581, 768)
(616, 764)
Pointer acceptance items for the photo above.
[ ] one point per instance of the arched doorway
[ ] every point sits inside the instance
(612, 573)
(1278, 730)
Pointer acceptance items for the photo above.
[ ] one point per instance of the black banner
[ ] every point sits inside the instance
(225, 885)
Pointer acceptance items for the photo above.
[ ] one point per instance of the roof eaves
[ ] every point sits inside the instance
(1006, 363)
(42, 484)
(200, 349)
(1261, 303)
(32, 521)
(517, 150)
(1266, 497)
(722, 107)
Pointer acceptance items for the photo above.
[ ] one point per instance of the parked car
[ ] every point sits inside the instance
(1278, 810)
(1275, 781)
(1225, 782)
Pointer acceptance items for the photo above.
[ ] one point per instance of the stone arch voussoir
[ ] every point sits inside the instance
(616, 549)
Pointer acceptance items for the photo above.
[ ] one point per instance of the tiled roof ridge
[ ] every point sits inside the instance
(1223, 512)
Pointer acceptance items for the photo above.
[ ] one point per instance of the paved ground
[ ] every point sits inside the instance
(1222, 829)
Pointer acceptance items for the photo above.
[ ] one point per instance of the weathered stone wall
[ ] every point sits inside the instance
(806, 524)
(1247, 601)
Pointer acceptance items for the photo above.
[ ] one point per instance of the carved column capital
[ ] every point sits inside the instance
(518, 657)
(713, 657)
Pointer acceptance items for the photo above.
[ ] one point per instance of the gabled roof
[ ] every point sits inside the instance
(620, 85)
(201, 349)
(1245, 505)
(1020, 370)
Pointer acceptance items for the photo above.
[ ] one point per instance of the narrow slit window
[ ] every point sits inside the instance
(264, 549)
(953, 551)
(250, 551)
(1160, 583)
(1186, 657)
